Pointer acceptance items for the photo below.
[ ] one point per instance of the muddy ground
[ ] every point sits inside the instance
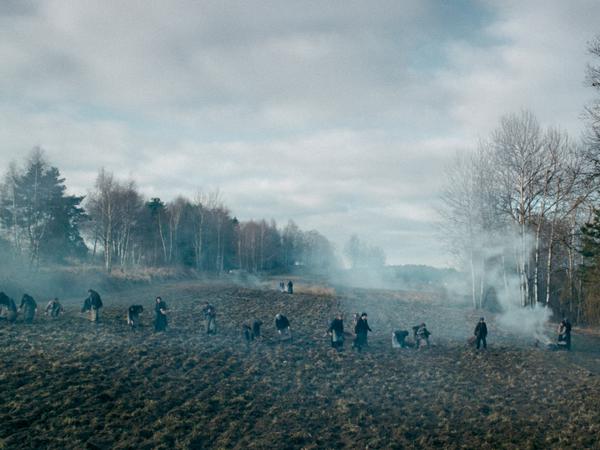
(71, 384)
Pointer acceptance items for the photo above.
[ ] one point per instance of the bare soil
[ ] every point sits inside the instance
(71, 384)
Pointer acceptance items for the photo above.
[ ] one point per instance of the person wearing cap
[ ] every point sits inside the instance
(481, 333)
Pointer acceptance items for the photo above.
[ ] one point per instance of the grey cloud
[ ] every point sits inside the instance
(339, 115)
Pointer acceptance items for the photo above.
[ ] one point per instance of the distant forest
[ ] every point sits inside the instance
(116, 226)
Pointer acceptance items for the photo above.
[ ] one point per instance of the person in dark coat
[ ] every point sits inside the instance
(256, 328)
(481, 333)
(290, 287)
(133, 316)
(29, 307)
(53, 308)
(10, 306)
(564, 333)
(247, 333)
(361, 330)
(92, 304)
(336, 331)
(210, 318)
(160, 322)
(282, 324)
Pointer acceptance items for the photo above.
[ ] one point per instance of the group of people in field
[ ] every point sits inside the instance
(92, 306)
(361, 331)
(28, 308)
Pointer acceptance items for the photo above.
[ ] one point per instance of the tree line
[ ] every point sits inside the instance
(521, 213)
(117, 226)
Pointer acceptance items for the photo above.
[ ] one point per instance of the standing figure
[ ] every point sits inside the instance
(160, 321)
(282, 286)
(256, 328)
(8, 304)
(29, 307)
(361, 330)
(53, 308)
(282, 324)
(336, 330)
(210, 318)
(92, 303)
(564, 333)
(290, 287)
(247, 334)
(481, 333)
(133, 316)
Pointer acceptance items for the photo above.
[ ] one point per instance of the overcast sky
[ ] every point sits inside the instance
(340, 115)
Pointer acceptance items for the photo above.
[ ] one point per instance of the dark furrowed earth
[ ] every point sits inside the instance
(71, 384)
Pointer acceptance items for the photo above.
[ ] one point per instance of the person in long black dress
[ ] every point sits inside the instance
(160, 322)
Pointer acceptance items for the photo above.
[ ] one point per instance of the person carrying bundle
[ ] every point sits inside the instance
(29, 307)
(8, 304)
(92, 304)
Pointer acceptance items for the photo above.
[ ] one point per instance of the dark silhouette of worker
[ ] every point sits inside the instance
(256, 328)
(336, 331)
(290, 287)
(160, 321)
(10, 306)
(481, 333)
(564, 333)
(421, 335)
(133, 316)
(282, 324)
(210, 318)
(92, 304)
(29, 307)
(54, 308)
(399, 339)
(361, 330)
(247, 333)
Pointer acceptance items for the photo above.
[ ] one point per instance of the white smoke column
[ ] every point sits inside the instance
(528, 322)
